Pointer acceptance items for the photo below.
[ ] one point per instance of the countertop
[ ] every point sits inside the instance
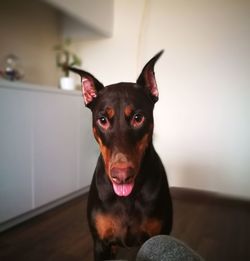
(23, 86)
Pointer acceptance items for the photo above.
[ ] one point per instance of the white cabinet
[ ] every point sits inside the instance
(15, 151)
(88, 148)
(56, 119)
(47, 150)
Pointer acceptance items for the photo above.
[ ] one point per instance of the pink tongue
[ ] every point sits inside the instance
(123, 190)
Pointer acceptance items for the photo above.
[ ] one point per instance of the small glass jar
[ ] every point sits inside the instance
(12, 69)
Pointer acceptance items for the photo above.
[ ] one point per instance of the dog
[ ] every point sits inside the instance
(129, 199)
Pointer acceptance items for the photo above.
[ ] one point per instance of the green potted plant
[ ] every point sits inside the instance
(65, 58)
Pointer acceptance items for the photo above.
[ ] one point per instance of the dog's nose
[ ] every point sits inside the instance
(122, 175)
(120, 158)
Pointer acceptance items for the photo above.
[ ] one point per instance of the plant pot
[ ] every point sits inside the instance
(67, 83)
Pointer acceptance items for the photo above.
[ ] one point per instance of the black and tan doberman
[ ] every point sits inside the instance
(129, 199)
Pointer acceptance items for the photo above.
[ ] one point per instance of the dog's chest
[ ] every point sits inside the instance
(128, 228)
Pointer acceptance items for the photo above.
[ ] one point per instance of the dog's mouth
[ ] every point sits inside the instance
(123, 190)
(123, 180)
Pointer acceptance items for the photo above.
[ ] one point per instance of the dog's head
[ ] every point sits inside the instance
(122, 123)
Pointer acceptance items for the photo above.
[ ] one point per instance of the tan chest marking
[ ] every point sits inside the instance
(109, 226)
(152, 226)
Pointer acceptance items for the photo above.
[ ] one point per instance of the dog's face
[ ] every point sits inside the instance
(122, 126)
(122, 123)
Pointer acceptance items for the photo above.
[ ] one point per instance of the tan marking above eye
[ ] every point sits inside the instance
(110, 112)
(128, 110)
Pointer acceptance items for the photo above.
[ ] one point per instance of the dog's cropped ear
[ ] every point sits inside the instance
(147, 77)
(89, 84)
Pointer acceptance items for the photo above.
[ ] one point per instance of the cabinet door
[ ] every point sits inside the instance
(15, 153)
(55, 146)
(88, 149)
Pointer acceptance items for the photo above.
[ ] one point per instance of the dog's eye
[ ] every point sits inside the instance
(103, 122)
(137, 120)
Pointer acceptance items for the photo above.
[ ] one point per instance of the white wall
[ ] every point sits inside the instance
(202, 118)
(30, 29)
(115, 59)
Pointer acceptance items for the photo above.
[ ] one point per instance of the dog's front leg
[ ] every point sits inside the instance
(102, 251)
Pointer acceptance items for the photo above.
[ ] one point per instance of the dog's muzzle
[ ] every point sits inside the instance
(122, 175)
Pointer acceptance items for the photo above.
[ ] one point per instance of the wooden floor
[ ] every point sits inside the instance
(217, 228)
